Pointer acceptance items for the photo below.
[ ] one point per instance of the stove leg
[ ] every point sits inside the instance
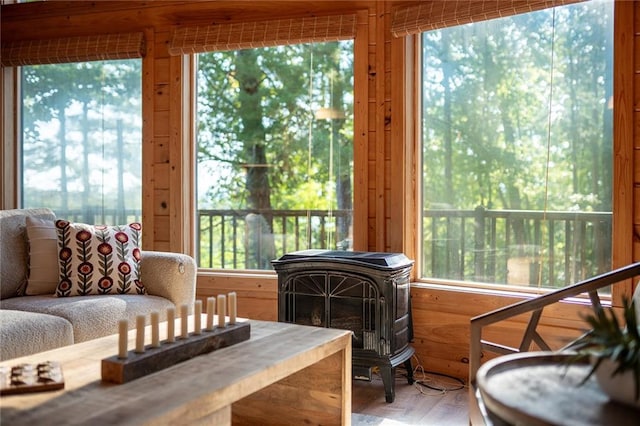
(409, 368)
(388, 379)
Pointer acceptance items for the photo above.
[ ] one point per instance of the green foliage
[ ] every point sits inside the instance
(261, 148)
(608, 339)
(488, 90)
(82, 136)
(256, 107)
(309, 195)
(516, 117)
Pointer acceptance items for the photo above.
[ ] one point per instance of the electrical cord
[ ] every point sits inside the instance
(427, 380)
(430, 383)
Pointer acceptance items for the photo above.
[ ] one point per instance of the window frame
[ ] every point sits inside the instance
(275, 210)
(11, 138)
(49, 51)
(240, 278)
(622, 150)
(98, 210)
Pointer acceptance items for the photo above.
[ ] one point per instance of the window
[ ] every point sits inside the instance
(82, 139)
(517, 148)
(275, 152)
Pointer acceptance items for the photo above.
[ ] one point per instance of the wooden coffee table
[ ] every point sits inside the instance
(284, 374)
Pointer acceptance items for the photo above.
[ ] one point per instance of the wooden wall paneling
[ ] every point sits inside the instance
(636, 79)
(510, 333)
(436, 352)
(360, 133)
(636, 162)
(161, 233)
(82, 17)
(161, 202)
(161, 143)
(148, 146)
(433, 362)
(371, 143)
(441, 325)
(398, 141)
(387, 178)
(625, 114)
(444, 327)
(371, 221)
(379, 214)
(162, 67)
(161, 156)
(390, 227)
(371, 134)
(161, 129)
(257, 296)
(161, 175)
(371, 191)
(162, 96)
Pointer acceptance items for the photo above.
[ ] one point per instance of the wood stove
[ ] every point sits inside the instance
(367, 293)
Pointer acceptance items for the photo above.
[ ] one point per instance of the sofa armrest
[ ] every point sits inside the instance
(169, 275)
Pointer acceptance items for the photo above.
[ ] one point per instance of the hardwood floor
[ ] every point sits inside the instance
(414, 404)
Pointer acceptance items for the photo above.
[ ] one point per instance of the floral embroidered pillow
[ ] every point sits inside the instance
(98, 259)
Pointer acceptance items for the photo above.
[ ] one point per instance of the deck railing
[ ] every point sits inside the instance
(96, 215)
(250, 239)
(551, 249)
(491, 246)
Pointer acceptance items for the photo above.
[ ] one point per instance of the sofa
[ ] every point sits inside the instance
(47, 301)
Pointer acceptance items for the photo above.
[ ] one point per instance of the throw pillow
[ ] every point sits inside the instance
(42, 276)
(98, 259)
(14, 249)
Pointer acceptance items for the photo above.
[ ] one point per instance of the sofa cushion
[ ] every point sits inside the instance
(43, 256)
(25, 333)
(92, 316)
(14, 252)
(98, 259)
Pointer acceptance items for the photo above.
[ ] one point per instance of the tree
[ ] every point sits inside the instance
(83, 102)
(516, 116)
(258, 136)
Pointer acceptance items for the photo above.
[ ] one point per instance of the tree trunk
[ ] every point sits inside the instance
(343, 170)
(86, 188)
(447, 73)
(259, 239)
(64, 182)
(120, 203)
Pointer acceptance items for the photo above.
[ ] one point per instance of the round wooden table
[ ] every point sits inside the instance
(542, 388)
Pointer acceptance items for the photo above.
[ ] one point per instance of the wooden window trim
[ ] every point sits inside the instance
(623, 208)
